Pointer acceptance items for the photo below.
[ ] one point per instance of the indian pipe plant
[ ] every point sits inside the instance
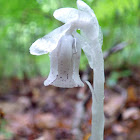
(64, 45)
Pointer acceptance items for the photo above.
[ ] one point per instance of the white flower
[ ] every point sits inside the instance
(64, 45)
(64, 57)
(65, 61)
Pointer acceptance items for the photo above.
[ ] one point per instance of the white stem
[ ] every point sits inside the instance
(97, 129)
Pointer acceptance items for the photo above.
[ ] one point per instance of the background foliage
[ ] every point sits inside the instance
(22, 22)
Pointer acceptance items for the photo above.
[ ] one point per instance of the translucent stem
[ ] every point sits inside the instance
(97, 129)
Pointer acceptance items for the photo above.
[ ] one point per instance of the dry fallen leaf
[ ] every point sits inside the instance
(46, 136)
(46, 121)
(11, 107)
(119, 129)
(20, 123)
(131, 113)
(2, 114)
(114, 105)
(131, 97)
(86, 137)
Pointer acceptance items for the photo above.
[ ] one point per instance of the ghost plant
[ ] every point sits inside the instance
(64, 45)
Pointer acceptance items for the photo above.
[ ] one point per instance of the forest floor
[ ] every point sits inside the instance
(31, 111)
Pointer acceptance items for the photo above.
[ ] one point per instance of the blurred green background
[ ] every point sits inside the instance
(24, 21)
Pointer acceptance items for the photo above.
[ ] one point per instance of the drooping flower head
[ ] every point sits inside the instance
(64, 45)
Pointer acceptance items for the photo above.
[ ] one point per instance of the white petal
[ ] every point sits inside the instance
(66, 15)
(91, 31)
(86, 48)
(38, 47)
(76, 63)
(100, 37)
(49, 42)
(65, 69)
(53, 67)
(84, 7)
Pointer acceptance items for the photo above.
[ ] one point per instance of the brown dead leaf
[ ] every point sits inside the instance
(63, 134)
(86, 137)
(2, 137)
(24, 102)
(11, 107)
(35, 95)
(131, 113)
(2, 114)
(134, 133)
(65, 123)
(46, 136)
(119, 129)
(131, 97)
(114, 105)
(20, 123)
(46, 121)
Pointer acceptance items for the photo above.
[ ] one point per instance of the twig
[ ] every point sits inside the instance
(115, 49)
